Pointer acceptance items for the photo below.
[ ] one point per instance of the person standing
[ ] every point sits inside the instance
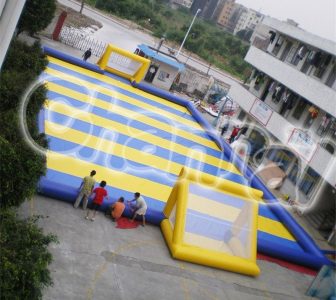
(100, 193)
(234, 133)
(140, 207)
(87, 54)
(242, 131)
(85, 190)
(224, 124)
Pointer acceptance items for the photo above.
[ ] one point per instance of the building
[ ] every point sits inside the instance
(237, 11)
(209, 8)
(10, 11)
(291, 108)
(224, 17)
(183, 3)
(248, 20)
(164, 68)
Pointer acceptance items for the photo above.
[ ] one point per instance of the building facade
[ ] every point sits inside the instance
(290, 107)
(208, 8)
(224, 17)
(248, 20)
(237, 11)
(10, 11)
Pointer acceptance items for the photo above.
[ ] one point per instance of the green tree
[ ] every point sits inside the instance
(36, 15)
(24, 258)
(21, 167)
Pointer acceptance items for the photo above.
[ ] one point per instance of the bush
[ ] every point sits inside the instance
(36, 15)
(21, 167)
(24, 258)
(22, 65)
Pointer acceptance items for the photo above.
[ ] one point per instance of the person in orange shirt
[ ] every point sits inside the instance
(117, 209)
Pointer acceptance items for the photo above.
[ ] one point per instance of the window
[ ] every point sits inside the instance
(332, 76)
(309, 181)
(294, 172)
(163, 76)
(241, 115)
(299, 109)
(321, 63)
(329, 147)
(278, 45)
(324, 125)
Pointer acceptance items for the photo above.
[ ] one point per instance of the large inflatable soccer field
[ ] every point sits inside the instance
(138, 140)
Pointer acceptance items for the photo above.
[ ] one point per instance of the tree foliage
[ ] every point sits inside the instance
(36, 15)
(20, 167)
(24, 258)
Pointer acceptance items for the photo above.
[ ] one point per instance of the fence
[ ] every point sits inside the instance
(80, 40)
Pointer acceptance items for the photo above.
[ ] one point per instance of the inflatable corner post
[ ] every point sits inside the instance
(124, 63)
(213, 222)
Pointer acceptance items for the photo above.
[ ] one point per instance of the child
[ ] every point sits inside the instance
(100, 194)
(116, 209)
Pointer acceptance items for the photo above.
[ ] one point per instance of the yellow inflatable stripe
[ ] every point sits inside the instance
(212, 208)
(132, 115)
(93, 88)
(208, 243)
(109, 80)
(230, 213)
(110, 147)
(274, 227)
(76, 167)
(73, 112)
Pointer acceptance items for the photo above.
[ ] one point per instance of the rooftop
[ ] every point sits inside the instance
(162, 57)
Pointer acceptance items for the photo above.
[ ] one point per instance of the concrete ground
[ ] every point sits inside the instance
(95, 260)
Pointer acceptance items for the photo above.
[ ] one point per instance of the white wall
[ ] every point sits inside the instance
(8, 20)
(168, 81)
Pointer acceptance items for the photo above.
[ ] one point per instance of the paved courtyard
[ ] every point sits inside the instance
(95, 260)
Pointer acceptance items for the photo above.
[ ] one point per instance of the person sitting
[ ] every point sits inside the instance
(116, 209)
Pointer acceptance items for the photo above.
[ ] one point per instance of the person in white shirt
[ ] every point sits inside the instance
(140, 207)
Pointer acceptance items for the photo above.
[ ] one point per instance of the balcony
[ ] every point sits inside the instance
(321, 160)
(309, 88)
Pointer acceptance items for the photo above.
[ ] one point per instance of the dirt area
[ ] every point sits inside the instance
(75, 19)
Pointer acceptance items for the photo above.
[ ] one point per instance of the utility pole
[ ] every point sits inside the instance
(185, 37)
(82, 6)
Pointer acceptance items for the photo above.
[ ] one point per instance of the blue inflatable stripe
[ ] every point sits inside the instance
(194, 112)
(71, 59)
(53, 185)
(264, 237)
(216, 196)
(112, 162)
(109, 115)
(161, 118)
(120, 90)
(291, 255)
(143, 146)
(266, 212)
